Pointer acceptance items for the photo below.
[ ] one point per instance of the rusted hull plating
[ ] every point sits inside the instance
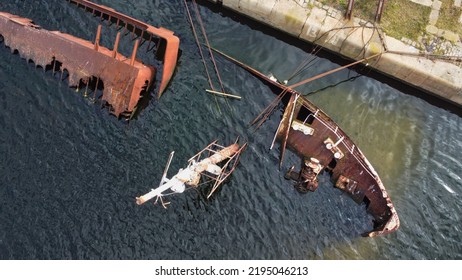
(350, 171)
(122, 79)
(310, 133)
(146, 32)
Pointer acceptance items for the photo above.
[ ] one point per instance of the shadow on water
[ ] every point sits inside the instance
(326, 54)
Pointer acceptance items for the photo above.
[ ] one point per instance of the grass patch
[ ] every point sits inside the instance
(403, 18)
(449, 17)
(400, 18)
(336, 4)
(365, 9)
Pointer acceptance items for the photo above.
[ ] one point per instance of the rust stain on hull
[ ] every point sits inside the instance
(322, 145)
(122, 79)
(147, 33)
(336, 153)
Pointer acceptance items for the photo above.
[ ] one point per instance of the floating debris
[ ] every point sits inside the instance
(223, 94)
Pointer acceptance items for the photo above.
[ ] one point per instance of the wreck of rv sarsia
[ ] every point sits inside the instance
(323, 146)
(122, 80)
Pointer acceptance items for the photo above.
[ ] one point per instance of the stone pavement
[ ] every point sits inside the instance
(435, 40)
(447, 42)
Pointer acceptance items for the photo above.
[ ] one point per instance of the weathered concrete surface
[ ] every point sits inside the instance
(354, 39)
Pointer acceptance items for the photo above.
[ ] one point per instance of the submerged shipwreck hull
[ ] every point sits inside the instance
(159, 40)
(310, 133)
(322, 145)
(123, 80)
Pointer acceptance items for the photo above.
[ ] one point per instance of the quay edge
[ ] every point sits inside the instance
(355, 39)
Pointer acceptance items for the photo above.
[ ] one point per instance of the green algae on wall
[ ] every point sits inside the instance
(290, 19)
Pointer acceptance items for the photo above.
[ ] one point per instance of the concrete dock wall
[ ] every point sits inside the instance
(354, 39)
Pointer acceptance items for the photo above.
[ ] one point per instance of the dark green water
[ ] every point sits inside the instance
(69, 172)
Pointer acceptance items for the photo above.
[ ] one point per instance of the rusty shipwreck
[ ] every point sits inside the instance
(121, 80)
(323, 146)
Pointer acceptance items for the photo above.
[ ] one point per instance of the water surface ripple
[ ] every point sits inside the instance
(69, 172)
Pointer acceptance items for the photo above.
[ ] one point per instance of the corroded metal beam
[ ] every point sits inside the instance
(144, 31)
(349, 10)
(379, 12)
(122, 79)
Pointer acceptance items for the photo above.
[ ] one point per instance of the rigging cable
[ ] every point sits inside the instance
(261, 118)
(208, 44)
(198, 44)
(307, 63)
